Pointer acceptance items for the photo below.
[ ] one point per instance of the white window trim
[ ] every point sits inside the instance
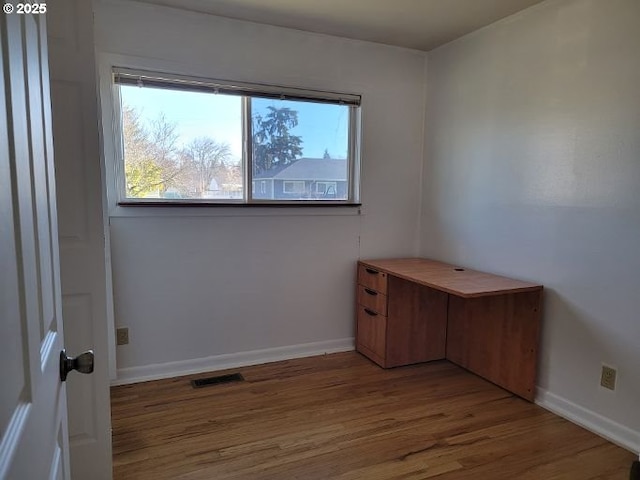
(110, 136)
(180, 82)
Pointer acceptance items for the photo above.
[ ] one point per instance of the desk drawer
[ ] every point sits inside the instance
(371, 336)
(372, 300)
(372, 278)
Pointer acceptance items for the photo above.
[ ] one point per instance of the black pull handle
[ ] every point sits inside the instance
(370, 312)
(371, 292)
(372, 271)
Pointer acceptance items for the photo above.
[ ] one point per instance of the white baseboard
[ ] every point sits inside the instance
(232, 360)
(592, 421)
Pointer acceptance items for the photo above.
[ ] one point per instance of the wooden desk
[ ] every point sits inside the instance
(414, 310)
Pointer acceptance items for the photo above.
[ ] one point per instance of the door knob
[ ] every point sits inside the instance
(82, 363)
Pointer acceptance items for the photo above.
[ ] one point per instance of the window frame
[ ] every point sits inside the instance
(246, 91)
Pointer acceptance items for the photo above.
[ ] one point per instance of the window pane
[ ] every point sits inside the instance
(181, 144)
(300, 150)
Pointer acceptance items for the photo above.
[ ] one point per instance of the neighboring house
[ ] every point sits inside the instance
(312, 178)
(225, 191)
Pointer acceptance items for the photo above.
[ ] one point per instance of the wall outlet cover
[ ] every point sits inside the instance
(122, 336)
(608, 377)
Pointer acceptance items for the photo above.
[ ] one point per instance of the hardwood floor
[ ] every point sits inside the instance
(342, 417)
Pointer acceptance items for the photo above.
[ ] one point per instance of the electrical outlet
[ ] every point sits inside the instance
(122, 336)
(608, 377)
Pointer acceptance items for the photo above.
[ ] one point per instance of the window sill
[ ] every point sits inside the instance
(284, 204)
(139, 209)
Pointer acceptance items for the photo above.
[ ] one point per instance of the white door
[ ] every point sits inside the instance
(33, 410)
(81, 232)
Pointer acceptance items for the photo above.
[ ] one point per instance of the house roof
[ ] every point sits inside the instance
(309, 169)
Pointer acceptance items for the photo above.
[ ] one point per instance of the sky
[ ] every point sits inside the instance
(196, 114)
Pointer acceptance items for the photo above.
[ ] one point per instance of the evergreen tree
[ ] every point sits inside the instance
(273, 144)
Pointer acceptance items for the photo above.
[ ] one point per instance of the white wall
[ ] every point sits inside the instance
(533, 170)
(191, 284)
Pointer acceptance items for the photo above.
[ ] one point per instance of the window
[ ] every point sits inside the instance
(188, 141)
(293, 187)
(326, 188)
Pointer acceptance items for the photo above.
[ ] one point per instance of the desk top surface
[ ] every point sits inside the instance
(452, 279)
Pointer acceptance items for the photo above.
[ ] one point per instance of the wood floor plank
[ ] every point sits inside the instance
(342, 417)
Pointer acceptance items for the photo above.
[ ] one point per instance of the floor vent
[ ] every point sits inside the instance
(205, 382)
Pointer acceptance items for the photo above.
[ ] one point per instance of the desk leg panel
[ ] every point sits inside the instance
(497, 338)
(416, 323)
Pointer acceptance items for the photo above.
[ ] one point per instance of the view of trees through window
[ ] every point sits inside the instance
(169, 155)
(273, 145)
(189, 145)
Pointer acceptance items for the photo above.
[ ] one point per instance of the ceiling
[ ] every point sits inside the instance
(419, 24)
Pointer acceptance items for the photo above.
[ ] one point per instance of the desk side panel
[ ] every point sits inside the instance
(417, 323)
(497, 338)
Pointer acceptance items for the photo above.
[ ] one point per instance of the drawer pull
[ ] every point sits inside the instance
(372, 271)
(371, 292)
(370, 312)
